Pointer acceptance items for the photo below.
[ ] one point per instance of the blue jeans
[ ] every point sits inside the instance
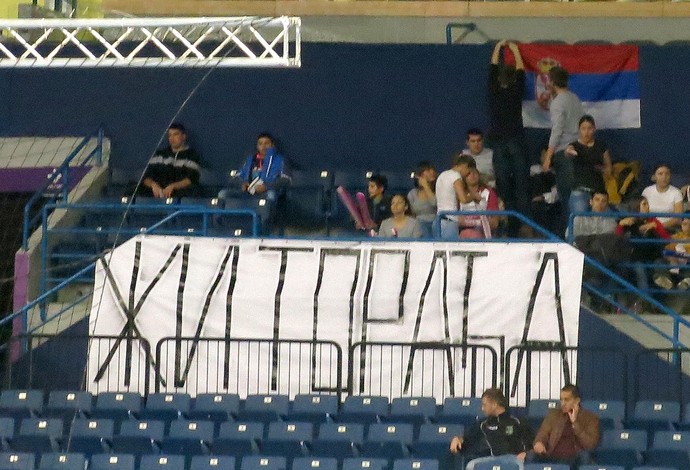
(501, 459)
(578, 201)
(450, 230)
(583, 457)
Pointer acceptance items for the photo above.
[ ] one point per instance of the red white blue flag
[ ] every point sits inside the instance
(604, 77)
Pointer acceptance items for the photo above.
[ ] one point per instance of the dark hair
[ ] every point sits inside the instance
(572, 388)
(177, 126)
(496, 395)
(421, 168)
(599, 191)
(474, 131)
(633, 205)
(587, 118)
(661, 165)
(559, 76)
(464, 159)
(267, 136)
(408, 211)
(379, 180)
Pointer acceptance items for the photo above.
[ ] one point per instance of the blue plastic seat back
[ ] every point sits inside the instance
(18, 460)
(497, 465)
(64, 461)
(315, 463)
(363, 409)
(415, 410)
(390, 440)
(238, 439)
(188, 437)
(460, 410)
(38, 435)
(546, 466)
(162, 462)
(288, 439)
(601, 467)
(112, 462)
(314, 408)
(265, 408)
(139, 437)
(634, 439)
(340, 440)
(212, 462)
(611, 412)
(117, 405)
(539, 408)
(91, 436)
(66, 401)
(6, 428)
(215, 407)
(21, 403)
(415, 464)
(166, 406)
(365, 463)
(260, 462)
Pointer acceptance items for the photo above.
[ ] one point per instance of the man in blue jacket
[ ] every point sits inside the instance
(262, 171)
(500, 436)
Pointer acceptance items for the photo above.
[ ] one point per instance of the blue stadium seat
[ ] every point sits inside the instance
(601, 467)
(670, 449)
(140, 218)
(339, 440)
(215, 407)
(62, 461)
(193, 223)
(38, 435)
(139, 437)
(91, 436)
(315, 463)
(289, 439)
(162, 462)
(546, 466)
(460, 410)
(117, 406)
(433, 442)
(309, 197)
(17, 460)
(621, 447)
(238, 439)
(399, 181)
(496, 465)
(166, 407)
(538, 409)
(652, 467)
(239, 225)
(314, 408)
(364, 463)
(212, 462)
(6, 431)
(188, 438)
(390, 440)
(413, 410)
(66, 405)
(111, 462)
(611, 412)
(265, 408)
(19, 404)
(365, 410)
(655, 415)
(415, 464)
(260, 462)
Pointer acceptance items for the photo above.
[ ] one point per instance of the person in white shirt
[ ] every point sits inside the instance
(664, 197)
(450, 192)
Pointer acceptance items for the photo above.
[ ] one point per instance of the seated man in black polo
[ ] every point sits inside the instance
(174, 170)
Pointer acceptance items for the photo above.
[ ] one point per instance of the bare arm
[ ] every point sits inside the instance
(461, 191)
(519, 64)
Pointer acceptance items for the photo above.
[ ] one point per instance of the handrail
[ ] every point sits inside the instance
(62, 172)
(522, 218)
(617, 215)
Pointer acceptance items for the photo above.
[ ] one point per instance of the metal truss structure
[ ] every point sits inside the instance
(152, 42)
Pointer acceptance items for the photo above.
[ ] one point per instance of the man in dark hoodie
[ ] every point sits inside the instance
(498, 437)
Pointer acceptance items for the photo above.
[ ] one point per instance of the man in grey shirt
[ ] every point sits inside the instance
(566, 111)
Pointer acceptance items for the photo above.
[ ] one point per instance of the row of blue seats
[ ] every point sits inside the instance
(77, 461)
(90, 436)
(317, 408)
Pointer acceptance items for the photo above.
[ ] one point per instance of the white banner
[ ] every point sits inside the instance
(346, 292)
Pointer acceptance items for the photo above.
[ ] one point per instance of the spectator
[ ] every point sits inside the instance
(481, 198)
(174, 170)
(506, 132)
(565, 111)
(450, 191)
(401, 224)
(546, 205)
(422, 198)
(595, 225)
(677, 254)
(499, 437)
(646, 228)
(663, 197)
(262, 172)
(483, 157)
(567, 435)
(378, 201)
(591, 164)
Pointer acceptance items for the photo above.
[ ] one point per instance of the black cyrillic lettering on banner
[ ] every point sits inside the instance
(325, 252)
(276, 306)
(373, 255)
(365, 306)
(204, 313)
(437, 255)
(131, 314)
(130, 306)
(470, 255)
(228, 314)
(559, 317)
(179, 310)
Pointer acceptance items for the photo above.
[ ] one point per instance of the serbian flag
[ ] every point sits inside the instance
(604, 77)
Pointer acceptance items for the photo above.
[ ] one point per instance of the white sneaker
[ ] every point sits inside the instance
(663, 281)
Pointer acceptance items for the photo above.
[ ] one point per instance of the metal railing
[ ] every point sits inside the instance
(58, 182)
(421, 369)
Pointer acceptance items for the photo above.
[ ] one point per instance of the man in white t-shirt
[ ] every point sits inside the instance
(483, 157)
(451, 191)
(662, 196)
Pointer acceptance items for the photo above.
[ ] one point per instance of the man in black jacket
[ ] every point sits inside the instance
(499, 436)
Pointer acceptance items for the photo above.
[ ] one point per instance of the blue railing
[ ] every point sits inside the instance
(60, 177)
(522, 218)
